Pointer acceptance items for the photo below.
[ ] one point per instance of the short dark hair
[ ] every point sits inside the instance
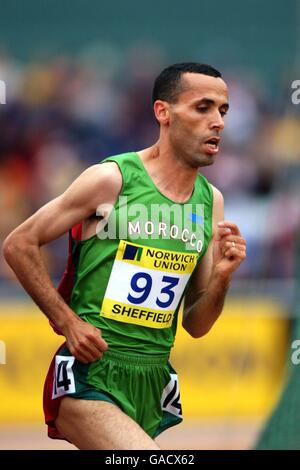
(167, 85)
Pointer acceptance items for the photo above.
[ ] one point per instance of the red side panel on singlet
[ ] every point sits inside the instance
(65, 287)
(67, 281)
(50, 406)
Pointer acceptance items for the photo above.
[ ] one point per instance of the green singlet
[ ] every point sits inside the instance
(129, 280)
(131, 286)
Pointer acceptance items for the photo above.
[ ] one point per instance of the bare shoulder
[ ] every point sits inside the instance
(97, 184)
(218, 207)
(218, 196)
(107, 174)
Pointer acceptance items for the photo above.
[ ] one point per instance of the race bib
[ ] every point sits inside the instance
(146, 285)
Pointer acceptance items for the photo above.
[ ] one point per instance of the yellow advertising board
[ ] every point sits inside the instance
(238, 367)
(235, 370)
(30, 345)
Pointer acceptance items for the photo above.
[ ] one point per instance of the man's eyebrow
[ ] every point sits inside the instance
(210, 101)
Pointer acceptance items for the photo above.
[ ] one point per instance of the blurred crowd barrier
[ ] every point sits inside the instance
(63, 114)
(235, 372)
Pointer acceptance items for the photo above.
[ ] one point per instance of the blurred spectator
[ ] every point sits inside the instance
(64, 115)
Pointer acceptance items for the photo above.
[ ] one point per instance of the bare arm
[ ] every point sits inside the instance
(206, 294)
(22, 252)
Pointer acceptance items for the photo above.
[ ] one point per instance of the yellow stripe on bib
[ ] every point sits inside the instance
(135, 314)
(156, 259)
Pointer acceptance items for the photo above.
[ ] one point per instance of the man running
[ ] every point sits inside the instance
(147, 235)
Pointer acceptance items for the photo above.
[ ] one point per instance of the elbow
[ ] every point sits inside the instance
(12, 246)
(196, 332)
(199, 333)
(8, 247)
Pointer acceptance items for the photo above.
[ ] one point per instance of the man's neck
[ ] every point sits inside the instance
(170, 175)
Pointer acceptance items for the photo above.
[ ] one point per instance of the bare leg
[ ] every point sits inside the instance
(96, 425)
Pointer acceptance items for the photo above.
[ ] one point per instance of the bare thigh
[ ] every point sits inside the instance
(92, 424)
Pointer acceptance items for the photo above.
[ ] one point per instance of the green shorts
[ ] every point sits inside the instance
(144, 387)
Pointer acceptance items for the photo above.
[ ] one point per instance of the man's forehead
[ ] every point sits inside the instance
(198, 85)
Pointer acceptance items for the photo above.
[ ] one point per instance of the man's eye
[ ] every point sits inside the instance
(223, 113)
(202, 109)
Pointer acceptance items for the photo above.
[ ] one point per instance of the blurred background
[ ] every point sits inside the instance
(78, 78)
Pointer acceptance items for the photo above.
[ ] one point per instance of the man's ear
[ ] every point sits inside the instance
(161, 111)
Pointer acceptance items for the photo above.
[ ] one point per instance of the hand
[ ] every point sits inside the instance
(84, 341)
(229, 248)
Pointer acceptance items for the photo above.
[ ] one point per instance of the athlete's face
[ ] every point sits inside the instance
(196, 119)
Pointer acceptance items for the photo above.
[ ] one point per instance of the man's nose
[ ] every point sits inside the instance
(217, 122)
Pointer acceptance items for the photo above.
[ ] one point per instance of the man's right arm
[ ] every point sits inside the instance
(98, 184)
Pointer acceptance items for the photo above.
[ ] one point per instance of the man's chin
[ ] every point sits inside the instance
(205, 159)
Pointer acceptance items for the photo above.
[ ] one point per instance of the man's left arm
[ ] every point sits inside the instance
(205, 296)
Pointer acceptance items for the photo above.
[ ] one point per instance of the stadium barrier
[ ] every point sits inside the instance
(235, 370)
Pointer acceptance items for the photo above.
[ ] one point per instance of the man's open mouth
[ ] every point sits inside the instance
(213, 144)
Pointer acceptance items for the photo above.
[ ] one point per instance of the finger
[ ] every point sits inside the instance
(98, 341)
(84, 359)
(222, 232)
(93, 351)
(232, 251)
(81, 356)
(86, 351)
(86, 356)
(235, 252)
(232, 242)
(227, 244)
(234, 238)
(227, 224)
(88, 346)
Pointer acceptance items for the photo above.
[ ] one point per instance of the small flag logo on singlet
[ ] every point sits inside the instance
(132, 252)
(198, 219)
